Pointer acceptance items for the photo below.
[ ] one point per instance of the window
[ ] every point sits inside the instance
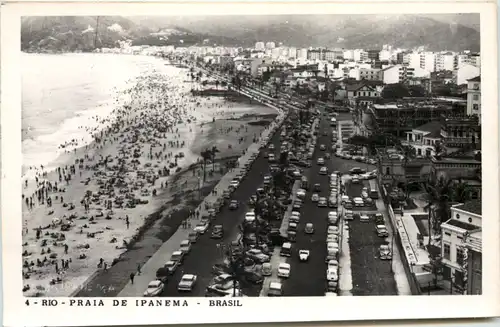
(447, 233)
(475, 97)
(475, 106)
(387, 170)
(446, 251)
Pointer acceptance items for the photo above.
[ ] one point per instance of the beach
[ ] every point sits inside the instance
(90, 204)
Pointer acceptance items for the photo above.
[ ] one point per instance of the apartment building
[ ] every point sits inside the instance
(474, 97)
(369, 74)
(465, 220)
(260, 46)
(401, 74)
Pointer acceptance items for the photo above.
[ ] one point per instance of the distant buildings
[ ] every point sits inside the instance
(461, 247)
(260, 46)
(401, 74)
(270, 45)
(474, 96)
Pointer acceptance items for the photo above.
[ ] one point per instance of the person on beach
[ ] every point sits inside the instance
(132, 275)
(138, 269)
(127, 221)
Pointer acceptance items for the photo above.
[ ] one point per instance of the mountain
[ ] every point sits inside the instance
(436, 32)
(78, 33)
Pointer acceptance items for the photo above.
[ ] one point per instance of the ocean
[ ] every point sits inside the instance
(61, 93)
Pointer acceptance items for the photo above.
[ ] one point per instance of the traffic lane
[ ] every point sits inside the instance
(354, 190)
(309, 279)
(370, 274)
(205, 252)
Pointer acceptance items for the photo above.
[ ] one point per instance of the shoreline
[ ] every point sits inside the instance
(111, 248)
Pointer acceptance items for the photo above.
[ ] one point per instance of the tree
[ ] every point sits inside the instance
(438, 195)
(395, 91)
(461, 192)
(205, 155)
(236, 257)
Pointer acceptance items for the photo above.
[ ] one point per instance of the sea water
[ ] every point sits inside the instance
(62, 94)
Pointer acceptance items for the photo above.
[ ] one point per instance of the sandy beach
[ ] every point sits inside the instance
(82, 216)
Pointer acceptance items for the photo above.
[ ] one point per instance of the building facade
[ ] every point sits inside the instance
(401, 74)
(424, 138)
(465, 219)
(461, 132)
(474, 263)
(474, 97)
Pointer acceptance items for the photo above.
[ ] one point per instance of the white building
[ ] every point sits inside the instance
(302, 53)
(423, 138)
(401, 74)
(428, 61)
(465, 220)
(260, 46)
(385, 55)
(474, 96)
(360, 55)
(270, 45)
(465, 73)
(412, 59)
(292, 52)
(348, 54)
(445, 61)
(370, 74)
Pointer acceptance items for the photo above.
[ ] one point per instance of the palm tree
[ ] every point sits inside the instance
(438, 197)
(236, 257)
(461, 191)
(213, 153)
(205, 155)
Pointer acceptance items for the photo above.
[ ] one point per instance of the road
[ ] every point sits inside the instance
(308, 278)
(205, 252)
(364, 244)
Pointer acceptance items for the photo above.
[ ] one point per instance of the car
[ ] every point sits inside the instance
(171, 266)
(193, 236)
(345, 198)
(332, 246)
(233, 205)
(381, 231)
(327, 155)
(271, 146)
(384, 252)
(201, 227)
(364, 195)
(294, 219)
(257, 255)
(309, 229)
(317, 187)
(322, 202)
(217, 232)
(356, 171)
(315, 197)
(333, 265)
(348, 215)
(284, 270)
(358, 202)
(333, 220)
(185, 246)
(177, 256)
(322, 147)
(292, 226)
(267, 269)
(379, 219)
(332, 201)
(332, 275)
(250, 217)
(187, 282)
(304, 255)
(297, 205)
(155, 288)
(332, 238)
(333, 230)
(275, 289)
(301, 193)
(364, 218)
(320, 161)
(295, 214)
(323, 171)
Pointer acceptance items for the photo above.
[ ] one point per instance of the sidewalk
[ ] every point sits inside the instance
(345, 273)
(148, 270)
(397, 265)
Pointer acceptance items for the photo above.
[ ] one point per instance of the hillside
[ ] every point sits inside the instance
(436, 32)
(78, 34)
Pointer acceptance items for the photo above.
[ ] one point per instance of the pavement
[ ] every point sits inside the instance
(206, 252)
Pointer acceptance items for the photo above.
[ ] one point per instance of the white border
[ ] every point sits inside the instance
(254, 309)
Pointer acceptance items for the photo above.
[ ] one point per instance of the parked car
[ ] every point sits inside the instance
(384, 252)
(155, 288)
(171, 266)
(381, 231)
(267, 269)
(233, 205)
(257, 255)
(322, 202)
(185, 246)
(284, 270)
(309, 229)
(315, 197)
(193, 236)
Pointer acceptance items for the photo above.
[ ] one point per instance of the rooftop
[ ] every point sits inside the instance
(473, 206)
(431, 127)
(461, 224)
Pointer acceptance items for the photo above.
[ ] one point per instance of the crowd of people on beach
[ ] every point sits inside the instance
(86, 207)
